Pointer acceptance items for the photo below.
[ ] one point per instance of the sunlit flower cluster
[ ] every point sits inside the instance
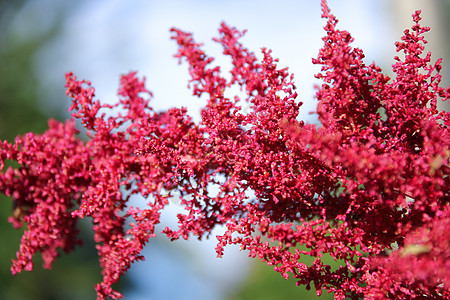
(369, 187)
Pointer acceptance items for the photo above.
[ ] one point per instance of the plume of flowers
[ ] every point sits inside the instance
(369, 187)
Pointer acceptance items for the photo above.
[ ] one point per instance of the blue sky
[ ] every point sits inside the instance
(102, 39)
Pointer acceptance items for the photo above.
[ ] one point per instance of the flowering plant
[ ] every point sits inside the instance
(369, 187)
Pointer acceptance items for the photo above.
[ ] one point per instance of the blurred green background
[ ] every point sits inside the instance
(73, 276)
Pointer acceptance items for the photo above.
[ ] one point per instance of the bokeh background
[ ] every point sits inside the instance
(98, 40)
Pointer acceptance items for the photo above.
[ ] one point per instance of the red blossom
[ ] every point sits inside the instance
(369, 187)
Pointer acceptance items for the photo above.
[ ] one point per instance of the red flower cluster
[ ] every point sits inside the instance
(370, 187)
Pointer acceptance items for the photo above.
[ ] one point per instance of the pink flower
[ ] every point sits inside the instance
(370, 187)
